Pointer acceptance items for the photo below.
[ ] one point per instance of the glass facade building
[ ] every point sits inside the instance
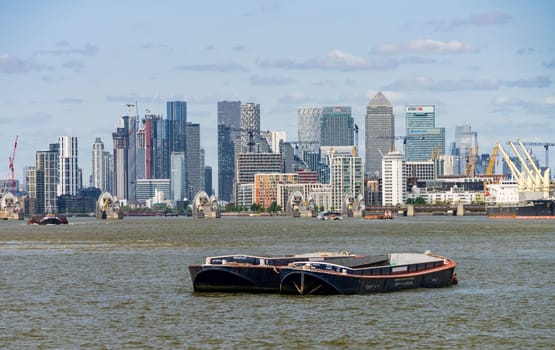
(422, 136)
(379, 133)
(337, 126)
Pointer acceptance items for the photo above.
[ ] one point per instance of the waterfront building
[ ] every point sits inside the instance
(288, 157)
(244, 195)
(265, 186)
(307, 176)
(46, 179)
(346, 179)
(177, 176)
(337, 126)
(379, 133)
(193, 160)
(394, 179)
(250, 127)
(309, 122)
(148, 188)
(422, 136)
(121, 160)
(68, 174)
(421, 171)
(229, 123)
(249, 164)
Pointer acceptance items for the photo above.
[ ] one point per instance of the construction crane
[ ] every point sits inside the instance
(491, 163)
(545, 145)
(471, 162)
(11, 158)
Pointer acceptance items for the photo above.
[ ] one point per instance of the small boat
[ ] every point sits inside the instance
(386, 215)
(248, 273)
(399, 271)
(48, 219)
(329, 215)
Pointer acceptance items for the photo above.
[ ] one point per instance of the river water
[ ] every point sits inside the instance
(125, 285)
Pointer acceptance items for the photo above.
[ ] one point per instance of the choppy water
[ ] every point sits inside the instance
(125, 284)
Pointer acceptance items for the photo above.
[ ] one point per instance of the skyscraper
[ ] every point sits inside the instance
(465, 140)
(46, 179)
(208, 180)
(121, 161)
(229, 123)
(308, 127)
(177, 175)
(422, 135)
(68, 172)
(250, 127)
(337, 126)
(177, 118)
(101, 166)
(346, 179)
(192, 159)
(379, 133)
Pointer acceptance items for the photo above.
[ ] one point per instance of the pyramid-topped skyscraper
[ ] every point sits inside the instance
(379, 133)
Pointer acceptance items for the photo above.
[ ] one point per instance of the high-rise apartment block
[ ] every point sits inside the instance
(346, 179)
(250, 127)
(309, 122)
(379, 133)
(193, 160)
(394, 179)
(101, 167)
(69, 180)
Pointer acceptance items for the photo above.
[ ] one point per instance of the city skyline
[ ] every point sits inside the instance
(490, 68)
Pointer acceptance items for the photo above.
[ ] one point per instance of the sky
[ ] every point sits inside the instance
(69, 67)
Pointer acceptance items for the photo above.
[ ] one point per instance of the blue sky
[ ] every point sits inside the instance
(68, 67)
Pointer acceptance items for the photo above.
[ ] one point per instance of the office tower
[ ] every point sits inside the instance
(394, 179)
(308, 127)
(346, 179)
(466, 141)
(208, 180)
(177, 176)
(379, 133)
(157, 153)
(337, 126)
(67, 166)
(250, 127)
(101, 166)
(202, 164)
(149, 188)
(192, 159)
(274, 138)
(177, 118)
(229, 123)
(422, 136)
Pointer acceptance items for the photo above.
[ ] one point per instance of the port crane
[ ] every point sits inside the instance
(545, 145)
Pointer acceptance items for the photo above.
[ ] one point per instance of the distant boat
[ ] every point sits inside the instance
(48, 219)
(398, 271)
(379, 216)
(329, 215)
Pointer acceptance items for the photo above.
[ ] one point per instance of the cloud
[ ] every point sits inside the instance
(239, 48)
(75, 66)
(503, 104)
(550, 64)
(214, 67)
(270, 81)
(526, 51)
(153, 45)
(333, 60)
(14, 65)
(425, 46)
(422, 83)
(70, 100)
(480, 20)
(64, 48)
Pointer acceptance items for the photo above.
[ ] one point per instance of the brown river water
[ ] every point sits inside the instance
(125, 285)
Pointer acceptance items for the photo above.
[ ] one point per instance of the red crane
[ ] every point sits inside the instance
(11, 158)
